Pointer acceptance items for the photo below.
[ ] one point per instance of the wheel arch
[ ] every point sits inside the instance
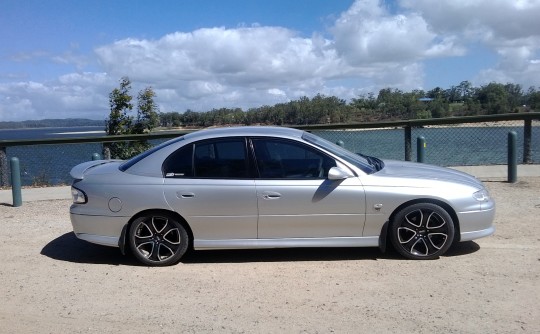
(384, 232)
(123, 242)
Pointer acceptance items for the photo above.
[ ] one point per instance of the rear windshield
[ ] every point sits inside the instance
(126, 165)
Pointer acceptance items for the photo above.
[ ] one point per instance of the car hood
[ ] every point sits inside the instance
(412, 172)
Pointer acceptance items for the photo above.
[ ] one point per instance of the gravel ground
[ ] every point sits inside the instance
(53, 282)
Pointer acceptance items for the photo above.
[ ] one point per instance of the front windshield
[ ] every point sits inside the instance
(352, 158)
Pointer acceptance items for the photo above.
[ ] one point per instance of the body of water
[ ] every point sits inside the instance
(47, 133)
(50, 164)
(446, 146)
(451, 146)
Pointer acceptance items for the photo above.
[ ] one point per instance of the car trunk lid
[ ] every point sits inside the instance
(78, 171)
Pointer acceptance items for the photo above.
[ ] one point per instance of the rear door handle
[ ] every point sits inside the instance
(185, 195)
(271, 195)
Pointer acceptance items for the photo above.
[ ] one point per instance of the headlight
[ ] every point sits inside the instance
(79, 197)
(481, 195)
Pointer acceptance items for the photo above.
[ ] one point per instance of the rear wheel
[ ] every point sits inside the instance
(422, 231)
(158, 239)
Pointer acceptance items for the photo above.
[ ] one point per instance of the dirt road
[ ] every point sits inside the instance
(53, 282)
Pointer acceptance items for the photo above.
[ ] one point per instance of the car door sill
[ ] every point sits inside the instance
(200, 244)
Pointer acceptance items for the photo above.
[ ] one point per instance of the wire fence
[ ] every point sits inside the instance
(464, 144)
(468, 144)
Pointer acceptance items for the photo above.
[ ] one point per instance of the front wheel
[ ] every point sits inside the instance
(158, 239)
(422, 231)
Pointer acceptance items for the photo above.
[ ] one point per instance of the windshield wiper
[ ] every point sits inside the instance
(377, 163)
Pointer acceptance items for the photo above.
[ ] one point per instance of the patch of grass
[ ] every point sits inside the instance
(41, 180)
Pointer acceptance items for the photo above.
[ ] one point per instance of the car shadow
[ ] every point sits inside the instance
(457, 249)
(69, 248)
(462, 248)
(282, 255)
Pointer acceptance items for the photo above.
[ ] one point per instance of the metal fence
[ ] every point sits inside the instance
(461, 141)
(464, 145)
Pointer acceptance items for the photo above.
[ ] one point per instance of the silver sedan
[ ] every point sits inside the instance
(271, 187)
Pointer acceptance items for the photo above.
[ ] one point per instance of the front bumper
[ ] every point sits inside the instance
(477, 224)
(468, 236)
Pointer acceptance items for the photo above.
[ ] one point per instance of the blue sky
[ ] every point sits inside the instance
(60, 59)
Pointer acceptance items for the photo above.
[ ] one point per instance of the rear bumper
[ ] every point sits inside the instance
(101, 230)
(99, 239)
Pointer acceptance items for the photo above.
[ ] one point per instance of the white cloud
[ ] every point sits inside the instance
(492, 20)
(252, 66)
(276, 91)
(258, 55)
(214, 67)
(367, 33)
(74, 95)
(510, 29)
(368, 47)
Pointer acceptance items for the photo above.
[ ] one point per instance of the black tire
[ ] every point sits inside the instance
(158, 239)
(422, 231)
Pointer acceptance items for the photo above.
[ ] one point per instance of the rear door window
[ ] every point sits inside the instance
(219, 159)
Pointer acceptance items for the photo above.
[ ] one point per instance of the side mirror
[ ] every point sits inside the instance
(336, 173)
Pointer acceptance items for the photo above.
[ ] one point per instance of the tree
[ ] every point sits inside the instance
(532, 99)
(121, 123)
(120, 102)
(494, 98)
(147, 115)
(515, 95)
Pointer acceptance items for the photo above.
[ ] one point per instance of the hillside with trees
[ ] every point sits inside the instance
(389, 104)
(50, 123)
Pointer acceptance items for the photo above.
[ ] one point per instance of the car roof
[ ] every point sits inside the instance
(244, 131)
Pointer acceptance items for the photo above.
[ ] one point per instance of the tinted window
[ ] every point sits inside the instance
(221, 159)
(290, 160)
(180, 163)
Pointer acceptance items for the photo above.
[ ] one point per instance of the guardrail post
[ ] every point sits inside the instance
(408, 139)
(512, 157)
(420, 149)
(16, 182)
(3, 167)
(527, 137)
(96, 156)
(106, 151)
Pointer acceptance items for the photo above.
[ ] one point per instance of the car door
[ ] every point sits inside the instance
(210, 184)
(295, 198)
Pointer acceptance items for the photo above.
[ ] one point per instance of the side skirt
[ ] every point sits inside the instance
(200, 244)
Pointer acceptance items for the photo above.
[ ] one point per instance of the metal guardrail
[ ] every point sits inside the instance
(425, 122)
(98, 139)
(350, 132)
(4, 144)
